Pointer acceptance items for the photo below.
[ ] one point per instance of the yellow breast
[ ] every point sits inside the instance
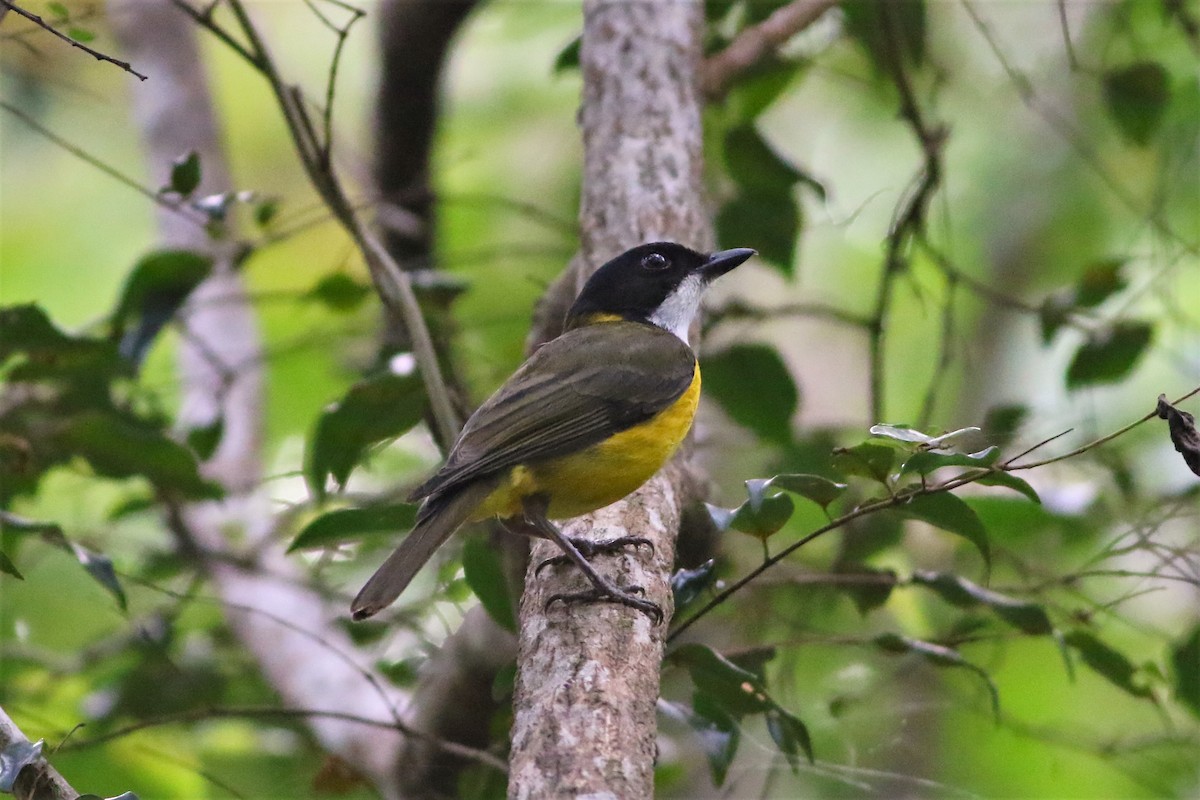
(602, 474)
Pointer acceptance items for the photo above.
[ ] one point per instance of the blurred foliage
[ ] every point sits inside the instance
(928, 617)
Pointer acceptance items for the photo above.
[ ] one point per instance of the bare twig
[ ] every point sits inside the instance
(897, 499)
(756, 42)
(394, 285)
(35, 19)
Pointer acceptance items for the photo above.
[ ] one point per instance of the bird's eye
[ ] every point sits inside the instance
(655, 261)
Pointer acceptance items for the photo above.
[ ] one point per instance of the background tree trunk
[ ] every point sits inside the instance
(588, 675)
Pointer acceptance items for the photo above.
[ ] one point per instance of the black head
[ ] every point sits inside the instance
(660, 283)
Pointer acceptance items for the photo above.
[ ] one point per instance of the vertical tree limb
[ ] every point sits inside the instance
(588, 675)
(309, 661)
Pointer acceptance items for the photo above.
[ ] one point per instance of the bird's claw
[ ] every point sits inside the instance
(588, 549)
(611, 595)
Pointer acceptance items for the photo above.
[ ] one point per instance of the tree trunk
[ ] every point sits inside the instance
(588, 674)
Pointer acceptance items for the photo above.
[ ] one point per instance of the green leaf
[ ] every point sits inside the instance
(9, 568)
(100, 567)
(16, 755)
(339, 292)
(485, 575)
(927, 461)
(568, 58)
(947, 512)
(1001, 423)
(50, 353)
(866, 460)
(759, 87)
(350, 524)
(736, 690)
(790, 736)
(265, 211)
(60, 12)
(688, 584)
(755, 165)
(771, 223)
(155, 289)
(1100, 281)
(1109, 355)
(119, 447)
(185, 173)
(901, 433)
(764, 518)
(1027, 617)
(1008, 480)
(753, 385)
(717, 731)
(1107, 662)
(869, 588)
(378, 408)
(82, 35)
(1185, 659)
(1136, 97)
(897, 26)
(816, 488)
(204, 440)
(939, 656)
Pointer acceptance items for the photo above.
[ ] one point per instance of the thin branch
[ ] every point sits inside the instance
(93, 161)
(757, 42)
(945, 355)
(35, 19)
(1066, 35)
(256, 712)
(394, 285)
(895, 500)
(1102, 440)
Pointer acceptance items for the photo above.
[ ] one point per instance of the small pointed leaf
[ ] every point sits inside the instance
(688, 584)
(1185, 660)
(820, 490)
(1137, 96)
(867, 460)
(1109, 355)
(185, 173)
(1106, 661)
(485, 575)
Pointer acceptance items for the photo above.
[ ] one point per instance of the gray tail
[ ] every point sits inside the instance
(439, 518)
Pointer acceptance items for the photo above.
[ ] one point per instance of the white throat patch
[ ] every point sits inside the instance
(677, 311)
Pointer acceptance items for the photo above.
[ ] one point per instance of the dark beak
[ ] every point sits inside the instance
(723, 261)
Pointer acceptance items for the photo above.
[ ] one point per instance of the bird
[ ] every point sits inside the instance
(588, 418)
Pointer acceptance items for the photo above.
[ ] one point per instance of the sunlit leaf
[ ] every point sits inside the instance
(1136, 97)
(816, 488)
(484, 573)
(1109, 355)
(350, 524)
(753, 385)
(900, 433)
(764, 518)
(82, 35)
(378, 408)
(927, 461)
(947, 512)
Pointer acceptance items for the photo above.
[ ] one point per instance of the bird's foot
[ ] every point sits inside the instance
(608, 593)
(589, 549)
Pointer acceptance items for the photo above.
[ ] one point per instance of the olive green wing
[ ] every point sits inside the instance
(574, 392)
